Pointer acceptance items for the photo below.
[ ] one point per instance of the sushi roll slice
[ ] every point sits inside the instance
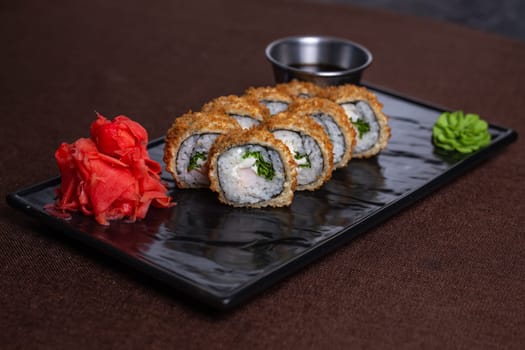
(310, 146)
(188, 142)
(365, 112)
(334, 121)
(252, 168)
(272, 98)
(246, 110)
(301, 89)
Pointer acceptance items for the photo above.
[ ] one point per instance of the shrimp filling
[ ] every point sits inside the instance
(250, 174)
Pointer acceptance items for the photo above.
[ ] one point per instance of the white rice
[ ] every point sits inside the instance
(193, 144)
(360, 110)
(275, 106)
(245, 121)
(302, 144)
(334, 133)
(238, 176)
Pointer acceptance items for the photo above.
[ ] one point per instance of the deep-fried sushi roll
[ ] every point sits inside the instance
(272, 98)
(310, 146)
(301, 89)
(252, 168)
(365, 113)
(188, 142)
(246, 110)
(333, 119)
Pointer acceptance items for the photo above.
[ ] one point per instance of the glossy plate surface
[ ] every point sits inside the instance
(222, 256)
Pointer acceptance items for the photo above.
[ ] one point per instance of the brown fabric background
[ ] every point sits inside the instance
(448, 272)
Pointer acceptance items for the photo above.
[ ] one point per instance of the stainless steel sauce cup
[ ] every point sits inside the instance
(319, 59)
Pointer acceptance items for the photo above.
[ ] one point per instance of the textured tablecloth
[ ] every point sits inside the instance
(448, 272)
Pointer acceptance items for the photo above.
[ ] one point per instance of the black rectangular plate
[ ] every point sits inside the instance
(222, 256)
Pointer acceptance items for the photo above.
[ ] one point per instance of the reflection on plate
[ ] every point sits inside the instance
(222, 256)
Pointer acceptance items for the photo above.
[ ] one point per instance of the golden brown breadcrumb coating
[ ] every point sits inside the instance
(303, 89)
(308, 127)
(269, 94)
(254, 136)
(352, 93)
(238, 105)
(189, 124)
(315, 105)
(226, 115)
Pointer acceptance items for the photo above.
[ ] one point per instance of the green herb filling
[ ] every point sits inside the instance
(264, 169)
(194, 160)
(362, 127)
(299, 156)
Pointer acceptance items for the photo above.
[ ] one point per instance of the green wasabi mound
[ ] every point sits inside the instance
(464, 133)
